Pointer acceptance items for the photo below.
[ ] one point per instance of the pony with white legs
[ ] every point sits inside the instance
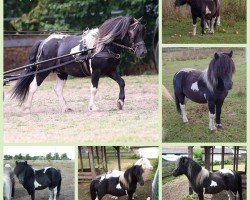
(209, 87)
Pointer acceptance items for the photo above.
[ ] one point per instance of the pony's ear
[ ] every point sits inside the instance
(25, 162)
(16, 162)
(231, 54)
(216, 56)
(140, 19)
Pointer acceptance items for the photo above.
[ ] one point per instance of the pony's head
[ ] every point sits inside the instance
(127, 31)
(181, 166)
(145, 163)
(137, 172)
(22, 170)
(220, 71)
(178, 3)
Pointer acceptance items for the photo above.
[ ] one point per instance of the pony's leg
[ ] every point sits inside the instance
(32, 89)
(218, 113)
(194, 24)
(201, 196)
(93, 90)
(54, 193)
(51, 194)
(115, 76)
(60, 82)
(37, 81)
(183, 113)
(212, 24)
(211, 107)
(218, 21)
(203, 22)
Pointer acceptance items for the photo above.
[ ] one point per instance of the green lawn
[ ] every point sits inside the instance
(179, 31)
(233, 110)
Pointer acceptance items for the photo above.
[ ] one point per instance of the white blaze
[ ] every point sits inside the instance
(213, 184)
(195, 87)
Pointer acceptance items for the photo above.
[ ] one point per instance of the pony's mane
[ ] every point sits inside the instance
(111, 29)
(195, 171)
(220, 66)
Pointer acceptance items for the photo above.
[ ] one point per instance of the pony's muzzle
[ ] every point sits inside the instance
(174, 173)
(141, 182)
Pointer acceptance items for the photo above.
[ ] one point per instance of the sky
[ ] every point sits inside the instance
(39, 150)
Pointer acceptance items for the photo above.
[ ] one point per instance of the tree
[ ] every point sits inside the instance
(8, 157)
(49, 156)
(56, 156)
(27, 157)
(64, 156)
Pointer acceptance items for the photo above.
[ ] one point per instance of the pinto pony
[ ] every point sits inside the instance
(210, 86)
(207, 11)
(204, 181)
(32, 179)
(124, 184)
(109, 40)
(8, 182)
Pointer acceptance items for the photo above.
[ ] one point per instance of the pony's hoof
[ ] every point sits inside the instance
(26, 110)
(67, 110)
(213, 130)
(120, 104)
(93, 108)
(219, 126)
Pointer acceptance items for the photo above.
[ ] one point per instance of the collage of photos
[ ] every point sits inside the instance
(125, 100)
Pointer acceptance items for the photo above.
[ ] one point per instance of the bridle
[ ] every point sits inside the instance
(134, 46)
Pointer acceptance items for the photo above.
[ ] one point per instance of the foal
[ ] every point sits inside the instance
(8, 182)
(210, 86)
(206, 182)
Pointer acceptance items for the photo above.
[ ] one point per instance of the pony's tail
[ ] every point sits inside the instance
(239, 181)
(177, 89)
(59, 184)
(93, 190)
(21, 89)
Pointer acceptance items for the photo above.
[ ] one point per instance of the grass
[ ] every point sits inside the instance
(180, 31)
(233, 110)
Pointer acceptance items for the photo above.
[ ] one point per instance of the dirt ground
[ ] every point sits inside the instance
(67, 188)
(138, 121)
(169, 192)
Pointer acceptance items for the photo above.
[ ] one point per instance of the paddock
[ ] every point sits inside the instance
(67, 188)
(233, 110)
(46, 123)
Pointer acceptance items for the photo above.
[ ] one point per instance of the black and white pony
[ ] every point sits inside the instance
(206, 182)
(33, 179)
(209, 86)
(109, 40)
(207, 10)
(8, 182)
(124, 184)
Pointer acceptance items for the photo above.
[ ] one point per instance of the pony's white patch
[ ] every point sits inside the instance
(205, 96)
(145, 163)
(194, 29)
(226, 171)
(75, 49)
(195, 87)
(93, 91)
(204, 190)
(124, 181)
(183, 113)
(229, 196)
(45, 169)
(207, 10)
(185, 70)
(36, 184)
(53, 36)
(114, 173)
(96, 196)
(212, 25)
(211, 122)
(213, 184)
(90, 66)
(32, 89)
(118, 186)
(204, 173)
(208, 83)
(89, 38)
(55, 192)
(59, 92)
